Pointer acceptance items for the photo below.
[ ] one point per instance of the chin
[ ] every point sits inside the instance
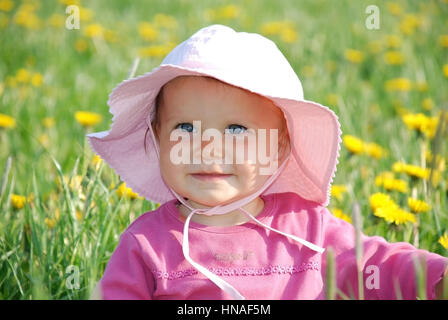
(211, 200)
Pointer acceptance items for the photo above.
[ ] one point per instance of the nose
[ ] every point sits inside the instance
(213, 148)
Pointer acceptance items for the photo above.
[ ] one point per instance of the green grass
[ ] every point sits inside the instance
(34, 258)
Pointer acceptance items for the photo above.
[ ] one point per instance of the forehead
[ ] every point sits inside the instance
(197, 94)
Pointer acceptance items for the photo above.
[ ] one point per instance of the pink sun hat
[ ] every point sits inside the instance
(246, 60)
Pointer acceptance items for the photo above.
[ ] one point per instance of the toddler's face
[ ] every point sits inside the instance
(218, 106)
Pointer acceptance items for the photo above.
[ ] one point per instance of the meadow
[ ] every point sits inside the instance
(62, 209)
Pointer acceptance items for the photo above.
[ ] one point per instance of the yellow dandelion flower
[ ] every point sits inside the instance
(18, 201)
(396, 185)
(409, 23)
(56, 20)
(123, 191)
(393, 58)
(398, 84)
(69, 2)
(444, 240)
(332, 99)
(394, 214)
(50, 222)
(165, 21)
(7, 121)
(354, 56)
(87, 118)
(418, 206)
(393, 41)
(94, 30)
(353, 144)
(422, 123)
(379, 179)
(284, 29)
(379, 200)
(429, 127)
(374, 150)
(289, 35)
(157, 51)
(23, 75)
(338, 213)
(36, 79)
(96, 161)
(85, 14)
(227, 12)
(338, 190)
(78, 215)
(399, 167)
(428, 104)
(44, 140)
(25, 16)
(6, 5)
(394, 8)
(274, 27)
(443, 40)
(415, 121)
(147, 31)
(48, 122)
(445, 70)
(416, 171)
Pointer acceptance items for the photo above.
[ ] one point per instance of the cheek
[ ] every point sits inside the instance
(248, 177)
(171, 173)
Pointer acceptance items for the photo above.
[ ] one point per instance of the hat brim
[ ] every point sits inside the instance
(314, 131)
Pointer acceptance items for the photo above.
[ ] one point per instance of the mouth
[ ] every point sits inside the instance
(211, 176)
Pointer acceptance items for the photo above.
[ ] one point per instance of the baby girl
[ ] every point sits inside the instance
(243, 223)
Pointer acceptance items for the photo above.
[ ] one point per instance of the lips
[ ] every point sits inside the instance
(210, 176)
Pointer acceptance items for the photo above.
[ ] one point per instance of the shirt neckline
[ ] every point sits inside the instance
(266, 213)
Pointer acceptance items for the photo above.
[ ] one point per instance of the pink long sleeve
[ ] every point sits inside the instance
(126, 276)
(148, 262)
(389, 262)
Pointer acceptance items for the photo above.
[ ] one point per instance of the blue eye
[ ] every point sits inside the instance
(235, 129)
(188, 127)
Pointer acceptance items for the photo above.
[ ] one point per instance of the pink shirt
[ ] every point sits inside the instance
(149, 264)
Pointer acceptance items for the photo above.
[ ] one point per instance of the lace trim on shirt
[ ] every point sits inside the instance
(240, 271)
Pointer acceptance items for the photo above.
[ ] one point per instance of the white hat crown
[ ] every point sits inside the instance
(242, 58)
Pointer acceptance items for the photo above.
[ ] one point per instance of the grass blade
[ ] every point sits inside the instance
(331, 275)
(5, 177)
(357, 221)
